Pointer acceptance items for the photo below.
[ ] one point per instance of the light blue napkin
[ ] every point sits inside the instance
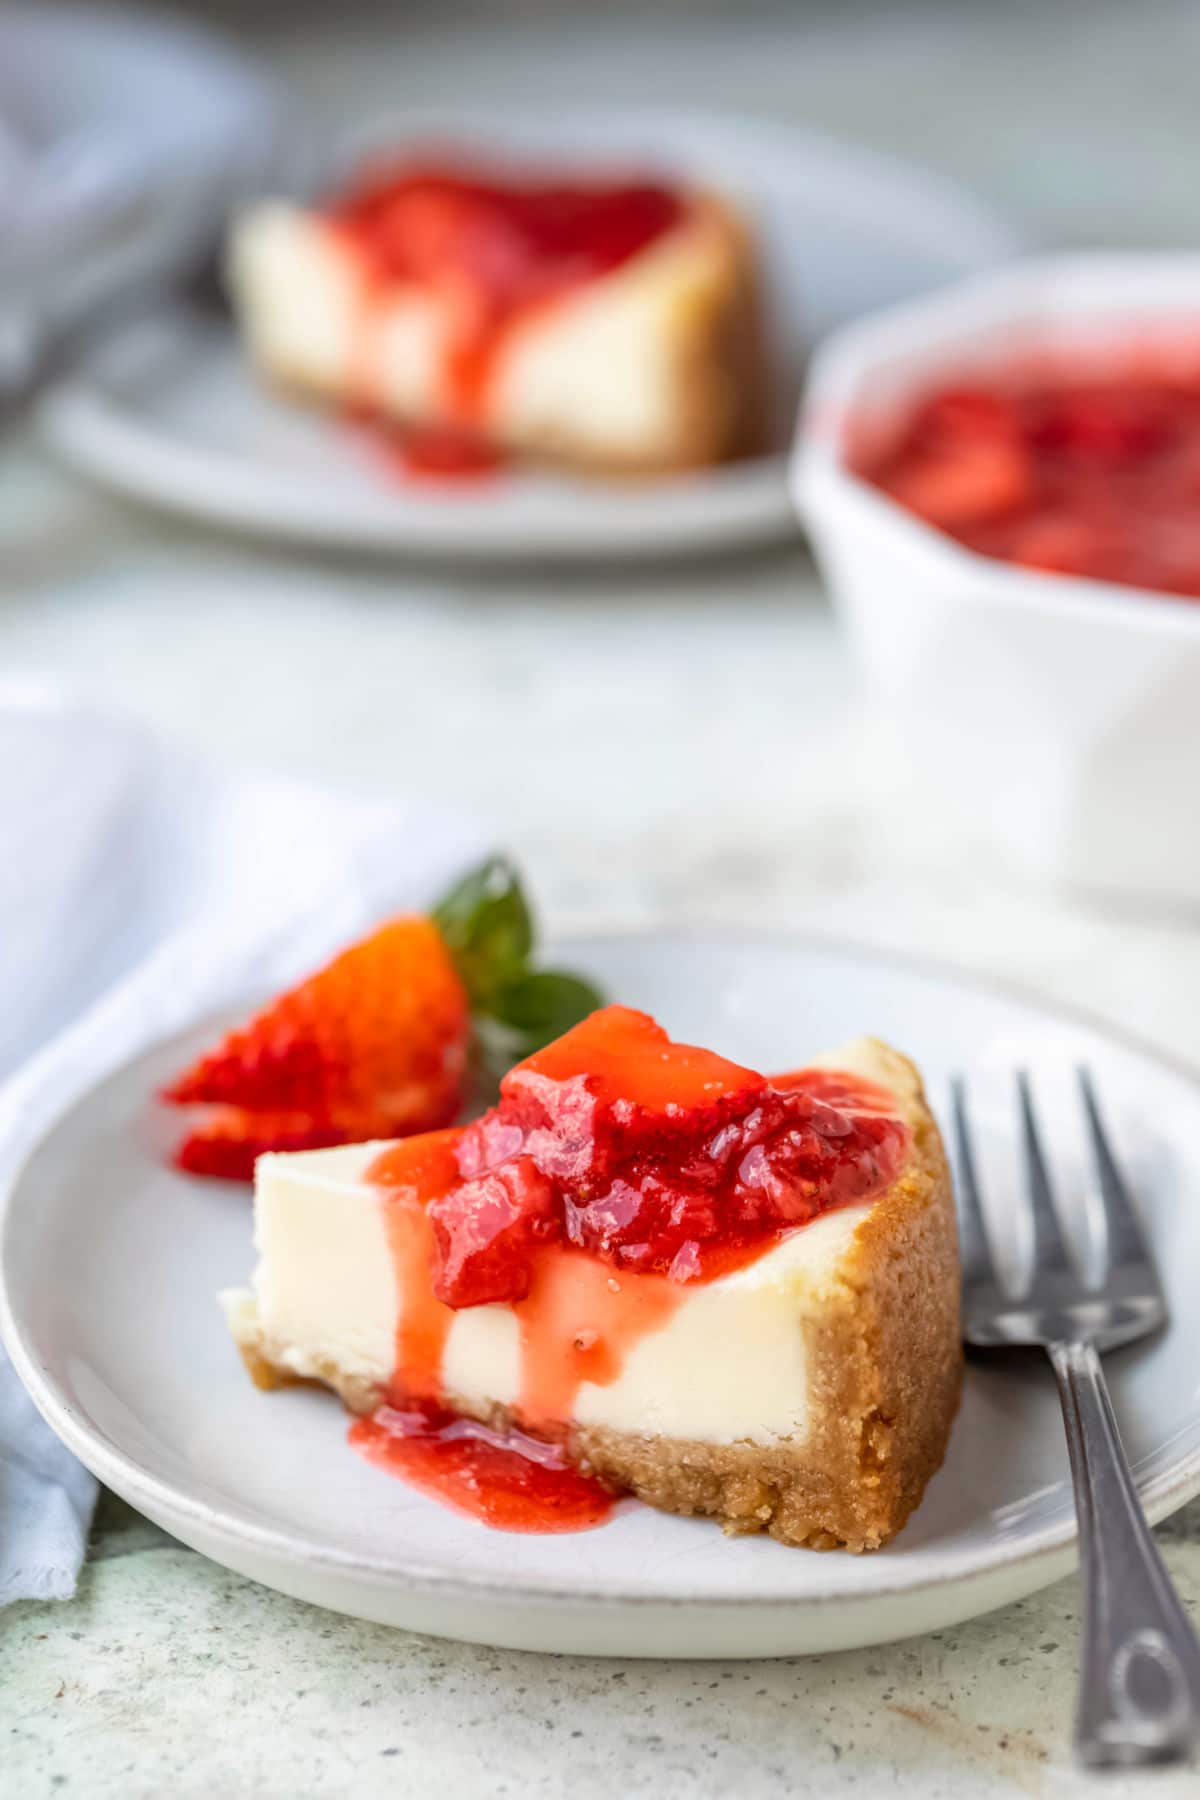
(46, 1502)
(141, 887)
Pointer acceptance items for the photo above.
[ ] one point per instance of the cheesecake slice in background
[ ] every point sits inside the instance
(612, 326)
(727, 1295)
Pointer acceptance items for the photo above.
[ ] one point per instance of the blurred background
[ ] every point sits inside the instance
(1075, 118)
(677, 739)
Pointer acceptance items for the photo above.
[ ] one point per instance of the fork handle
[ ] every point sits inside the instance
(1139, 1691)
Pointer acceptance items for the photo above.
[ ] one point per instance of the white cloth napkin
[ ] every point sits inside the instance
(139, 888)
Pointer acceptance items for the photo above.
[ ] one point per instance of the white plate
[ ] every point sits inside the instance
(173, 416)
(111, 1261)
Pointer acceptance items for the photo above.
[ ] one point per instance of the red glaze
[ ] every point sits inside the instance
(509, 1481)
(655, 1157)
(431, 452)
(1084, 473)
(492, 252)
(413, 1173)
(579, 1322)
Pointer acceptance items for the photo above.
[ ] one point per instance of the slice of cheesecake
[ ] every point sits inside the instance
(727, 1295)
(613, 326)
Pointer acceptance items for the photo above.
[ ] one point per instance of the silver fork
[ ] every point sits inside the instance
(1139, 1691)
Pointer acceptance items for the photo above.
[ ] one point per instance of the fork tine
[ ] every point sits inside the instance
(974, 1251)
(1049, 1246)
(1126, 1241)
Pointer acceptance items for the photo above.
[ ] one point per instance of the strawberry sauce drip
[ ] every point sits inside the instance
(414, 1172)
(491, 254)
(578, 1323)
(508, 1481)
(1090, 470)
(433, 453)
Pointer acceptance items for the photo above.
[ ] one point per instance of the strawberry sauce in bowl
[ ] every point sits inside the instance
(1001, 483)
(1090, 471)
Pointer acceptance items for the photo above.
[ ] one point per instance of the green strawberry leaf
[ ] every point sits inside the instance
(543, 1003)
(487, 927)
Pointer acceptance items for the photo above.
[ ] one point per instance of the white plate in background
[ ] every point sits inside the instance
(110, 1260)
(172, 416)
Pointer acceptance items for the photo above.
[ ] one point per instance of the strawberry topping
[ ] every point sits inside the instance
(654, 1155)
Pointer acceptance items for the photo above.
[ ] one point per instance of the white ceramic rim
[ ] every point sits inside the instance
(738, 504)
(162, 1499)
(821, 478)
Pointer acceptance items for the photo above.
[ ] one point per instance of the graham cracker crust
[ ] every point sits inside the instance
(885, 1361)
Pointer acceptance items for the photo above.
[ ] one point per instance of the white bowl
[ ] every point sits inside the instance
(1057, 717)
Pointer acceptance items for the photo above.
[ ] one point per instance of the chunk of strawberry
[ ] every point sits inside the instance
(616, 1087)
(958, 414)
(1102, 424)
(964, 483)
(485, 1230)
(643, 1222)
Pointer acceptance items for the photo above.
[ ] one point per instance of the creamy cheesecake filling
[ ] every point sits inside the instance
(729, 1362)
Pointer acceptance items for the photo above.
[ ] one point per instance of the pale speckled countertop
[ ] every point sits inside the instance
(169, 1675)
(712, 764)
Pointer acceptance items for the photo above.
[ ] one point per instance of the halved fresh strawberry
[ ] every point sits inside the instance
(375, 1045)
(382, 1042)
(230, 1141)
